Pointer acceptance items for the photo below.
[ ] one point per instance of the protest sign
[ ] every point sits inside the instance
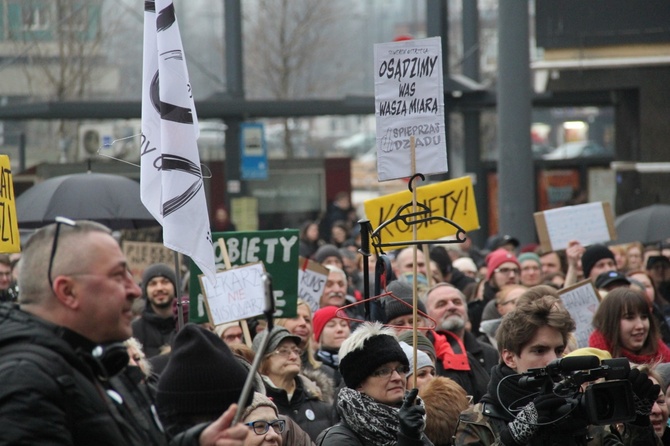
(141, 255)
(311, 282)
(239, 293)
(452, 199)
(581, 300)
(409, 102)
(587, 223)
(10, 240)
(278, 250)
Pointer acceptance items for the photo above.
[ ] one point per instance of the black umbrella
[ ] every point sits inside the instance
(647, 225)
(112, 200)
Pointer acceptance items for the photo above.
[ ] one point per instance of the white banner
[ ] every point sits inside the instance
(409, 102)
(171, 181)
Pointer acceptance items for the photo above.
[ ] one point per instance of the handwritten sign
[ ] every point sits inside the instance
(409, 101)
(279, 252)
(453, 199)
(581, 300)
(239, 293)
(10, 240)
(311, 282)
(141, 255)
(587, 223)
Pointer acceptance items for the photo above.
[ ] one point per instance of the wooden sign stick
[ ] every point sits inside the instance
(226, 261)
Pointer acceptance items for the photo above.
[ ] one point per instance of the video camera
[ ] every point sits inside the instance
(602, 403)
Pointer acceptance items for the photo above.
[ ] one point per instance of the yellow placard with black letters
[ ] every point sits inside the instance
(10, 240)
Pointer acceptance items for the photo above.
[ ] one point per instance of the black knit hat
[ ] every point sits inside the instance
(394, 308)
(201, 379)
(592, 255)
(369, 347)
(155, 270)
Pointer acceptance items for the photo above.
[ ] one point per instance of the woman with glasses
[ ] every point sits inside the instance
(294, 394)
(374, 407)
(263, 421)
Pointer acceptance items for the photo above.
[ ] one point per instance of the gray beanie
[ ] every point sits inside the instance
(422, 358)
(394, 308)
(155, 270)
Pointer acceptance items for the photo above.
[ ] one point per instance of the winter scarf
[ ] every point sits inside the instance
(450, 350)
(375, 423)
(662, 354)
(504, 391)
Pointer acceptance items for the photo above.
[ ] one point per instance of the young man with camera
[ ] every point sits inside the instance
(523, 406)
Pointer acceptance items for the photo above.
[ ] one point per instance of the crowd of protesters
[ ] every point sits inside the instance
(100, 359)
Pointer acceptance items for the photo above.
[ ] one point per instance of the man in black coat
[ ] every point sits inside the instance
(156, 328)
(61, 345)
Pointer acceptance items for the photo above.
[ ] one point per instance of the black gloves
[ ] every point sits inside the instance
(523, 427)
(645, 393)
(411, 416)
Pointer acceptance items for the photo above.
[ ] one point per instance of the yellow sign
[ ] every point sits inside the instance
(9, 227)
(452, 199)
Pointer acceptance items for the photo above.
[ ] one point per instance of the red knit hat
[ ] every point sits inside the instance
(321, 317)
(497, 258)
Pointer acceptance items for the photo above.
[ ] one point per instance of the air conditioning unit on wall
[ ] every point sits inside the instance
(118, 139)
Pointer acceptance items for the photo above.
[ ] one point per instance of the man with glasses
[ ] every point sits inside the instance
(459, 355)
(63, 342)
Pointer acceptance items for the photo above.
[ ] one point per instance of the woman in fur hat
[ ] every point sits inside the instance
(374, 408)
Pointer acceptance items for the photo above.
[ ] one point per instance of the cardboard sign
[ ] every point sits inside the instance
(141, 255)
(312, 278)
(453, 199)
(239, 293)
(10, 241)
(587, 223)
(279, 252)
(581, 300)
(409, 102)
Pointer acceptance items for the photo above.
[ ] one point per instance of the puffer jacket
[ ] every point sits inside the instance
(49, 393)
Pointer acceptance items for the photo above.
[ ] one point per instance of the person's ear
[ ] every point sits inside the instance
(64, 289)
(509, 358)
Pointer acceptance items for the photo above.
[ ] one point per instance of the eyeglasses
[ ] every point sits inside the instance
(507, 271)
(59, 221)
(286, 351)
(261, 427)
(386, 372)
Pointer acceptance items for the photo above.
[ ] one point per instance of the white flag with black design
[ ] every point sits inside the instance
(171, 176)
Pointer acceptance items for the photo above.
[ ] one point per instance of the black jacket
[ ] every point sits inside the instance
(49, 392)
(342, 434)
(153, 331)
(305, 407)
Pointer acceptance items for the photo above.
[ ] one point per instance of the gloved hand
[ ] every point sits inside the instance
(411, 416)
(645, 393)
(523, 427)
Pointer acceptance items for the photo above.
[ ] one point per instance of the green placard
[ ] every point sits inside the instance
(278, 250)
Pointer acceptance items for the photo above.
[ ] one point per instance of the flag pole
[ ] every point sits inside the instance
(180, 308)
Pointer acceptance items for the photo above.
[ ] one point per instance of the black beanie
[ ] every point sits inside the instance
(394, 308)
(592, 255)
(155, 270)
(369, 347)
(201, 379)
